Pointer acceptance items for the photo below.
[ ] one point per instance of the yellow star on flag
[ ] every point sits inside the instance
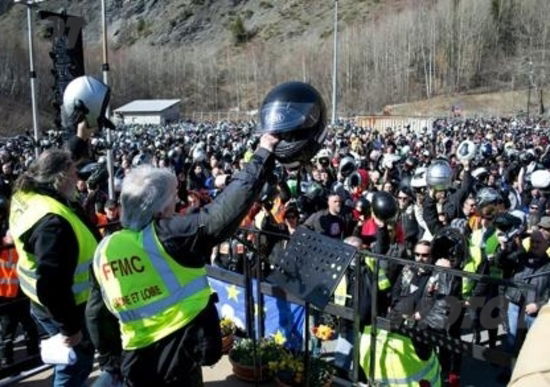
(233, 293)
(279, 337)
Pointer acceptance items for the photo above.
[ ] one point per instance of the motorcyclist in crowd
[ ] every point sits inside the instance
(524, 304)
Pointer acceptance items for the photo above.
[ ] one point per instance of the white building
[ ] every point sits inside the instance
(148, 111)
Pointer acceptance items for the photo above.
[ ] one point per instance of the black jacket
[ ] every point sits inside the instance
(452, 206)
(440, 306)
(410, 226)
(407, 292)
(53, 242)
(189, 240)
(541, 294)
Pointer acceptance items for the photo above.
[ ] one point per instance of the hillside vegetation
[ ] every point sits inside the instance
(221, 55)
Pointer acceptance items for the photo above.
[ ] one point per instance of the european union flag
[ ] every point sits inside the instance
(283, 320)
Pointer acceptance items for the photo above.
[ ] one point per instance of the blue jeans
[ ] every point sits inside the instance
(517, 319)
(74, 375)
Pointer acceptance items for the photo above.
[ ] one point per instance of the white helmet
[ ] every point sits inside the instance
(466, 150)
(419, 178)
(480, 173)
(88, 97)
(323, 153)
(439, 175)
(541, 179)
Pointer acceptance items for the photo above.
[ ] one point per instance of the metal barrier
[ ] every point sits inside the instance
(473, 350)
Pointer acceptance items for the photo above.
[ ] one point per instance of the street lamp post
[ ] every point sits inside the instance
(32, 72)
(105, 69)
(335, 64)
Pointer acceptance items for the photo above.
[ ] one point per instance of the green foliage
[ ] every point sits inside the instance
(289, 368)
(243, 352)
(238, 31)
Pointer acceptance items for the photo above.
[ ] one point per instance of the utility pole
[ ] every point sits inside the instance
(105, 69)
(335, 64)
(32, 72)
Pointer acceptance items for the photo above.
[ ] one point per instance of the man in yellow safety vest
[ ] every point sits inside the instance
(151, 274)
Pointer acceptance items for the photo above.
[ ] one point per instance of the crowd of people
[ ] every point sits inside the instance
(466, 194)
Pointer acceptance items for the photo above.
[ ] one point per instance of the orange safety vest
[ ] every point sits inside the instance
(101, 222)
(9, 283)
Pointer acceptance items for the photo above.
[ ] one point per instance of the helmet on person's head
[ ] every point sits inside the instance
(87, 98)
(363, 207)
(295, 112)
(486, 150)
(541, 179)
(359, 178)
(347, 166)
(439, 175)
(480, 173)
(487, 196)
(419, 178)
(141, 159)
(405, 184)
(324, 153)
(450, 243)
(411, 162)
(384, 205)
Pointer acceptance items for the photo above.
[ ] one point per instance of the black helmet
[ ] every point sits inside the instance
(362, 205)
(295, 112)
(451, 244)
(384, 206)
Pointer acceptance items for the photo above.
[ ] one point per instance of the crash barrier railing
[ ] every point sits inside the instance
(473, 350)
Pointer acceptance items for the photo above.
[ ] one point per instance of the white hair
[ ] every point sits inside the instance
(146, 192)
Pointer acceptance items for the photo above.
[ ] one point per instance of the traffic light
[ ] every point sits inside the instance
(67, 55)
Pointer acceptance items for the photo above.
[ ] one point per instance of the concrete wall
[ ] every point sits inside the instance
(143, 119)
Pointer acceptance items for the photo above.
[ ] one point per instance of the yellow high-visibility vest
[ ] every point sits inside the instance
(397, 363)
(383, 280)
(150, 293)
(475, 258)
(26, 210)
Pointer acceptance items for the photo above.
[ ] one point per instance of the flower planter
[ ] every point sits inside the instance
(227, 343)
(246, 373)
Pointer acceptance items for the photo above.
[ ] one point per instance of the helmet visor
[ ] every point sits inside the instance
(282, 117)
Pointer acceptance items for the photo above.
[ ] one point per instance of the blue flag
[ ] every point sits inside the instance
(284, 321)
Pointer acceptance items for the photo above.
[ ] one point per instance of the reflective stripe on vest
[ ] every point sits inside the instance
(7, 265)
(31, 286)
(27, 209)
(9, 283)
(383, 280)
(145, 320)
(397, 363)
